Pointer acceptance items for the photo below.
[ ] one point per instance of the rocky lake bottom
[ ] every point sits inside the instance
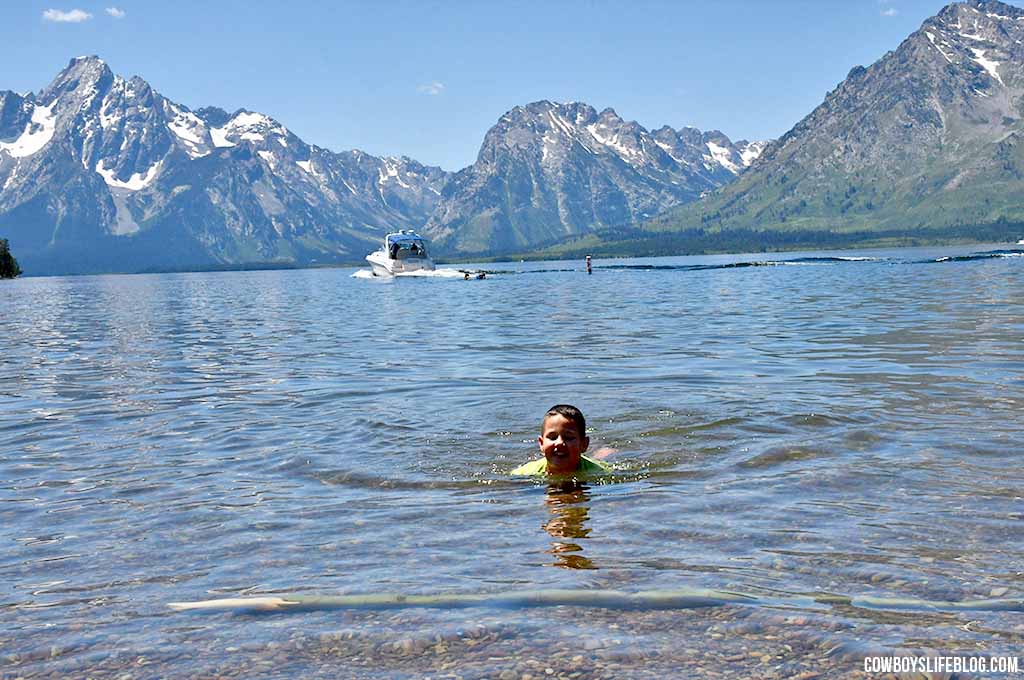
(833, 435)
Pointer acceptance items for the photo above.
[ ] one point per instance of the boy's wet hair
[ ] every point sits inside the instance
(569, 413)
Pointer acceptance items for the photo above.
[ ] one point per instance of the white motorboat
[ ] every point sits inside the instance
(403, 252)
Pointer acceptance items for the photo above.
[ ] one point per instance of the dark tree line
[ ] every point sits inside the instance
(8, 265)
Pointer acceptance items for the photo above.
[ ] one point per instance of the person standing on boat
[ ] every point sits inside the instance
(589, 269)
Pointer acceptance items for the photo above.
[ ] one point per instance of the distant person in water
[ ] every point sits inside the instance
(563, 440)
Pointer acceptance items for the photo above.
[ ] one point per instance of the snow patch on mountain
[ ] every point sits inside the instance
(987, 64)
(668, 150)
(721, 155)
(751, 151)
(613, 143)
(548, 143)
(108, 121)
(135, 182)
(931, 38)
(184, 125)
(220, 137)
(124, 224)
(567, 129)
(251, 127)
(250, 119)
(191, 130)
(38, 132)
(12, 176)
(561, 124)
(389, 170)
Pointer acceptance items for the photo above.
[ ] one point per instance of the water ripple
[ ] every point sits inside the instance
(797, 424)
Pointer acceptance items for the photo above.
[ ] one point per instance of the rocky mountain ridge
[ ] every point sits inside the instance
(928, 139)
(97, 170)
(548, 171)
(102, 173)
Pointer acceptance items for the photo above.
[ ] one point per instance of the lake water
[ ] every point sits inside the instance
(820, 426)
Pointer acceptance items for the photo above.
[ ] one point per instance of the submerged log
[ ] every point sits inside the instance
(602, 599)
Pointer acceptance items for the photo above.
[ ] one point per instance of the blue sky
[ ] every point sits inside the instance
(427, 79)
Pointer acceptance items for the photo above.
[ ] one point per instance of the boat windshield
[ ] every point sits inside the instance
(407, 249)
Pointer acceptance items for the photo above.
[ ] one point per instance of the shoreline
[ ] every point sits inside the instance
(539, 257)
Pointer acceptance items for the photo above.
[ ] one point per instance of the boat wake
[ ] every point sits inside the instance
(435, 274)
(988, 255)
(791, 262)
(739, 265)
(420, 274)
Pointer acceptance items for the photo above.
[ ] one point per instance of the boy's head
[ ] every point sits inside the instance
(563, 438)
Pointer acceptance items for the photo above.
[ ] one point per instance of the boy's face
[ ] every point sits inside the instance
(561, 444)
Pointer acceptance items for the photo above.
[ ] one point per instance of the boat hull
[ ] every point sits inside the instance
(382, 265)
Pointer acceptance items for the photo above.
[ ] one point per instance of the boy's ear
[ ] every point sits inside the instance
(585, 443)
(540, 441)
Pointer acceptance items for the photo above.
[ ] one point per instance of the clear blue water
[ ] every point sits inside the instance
(845, 426)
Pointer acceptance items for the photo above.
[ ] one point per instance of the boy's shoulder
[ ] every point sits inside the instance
(534, 467)
(593, 465)
(540, 466)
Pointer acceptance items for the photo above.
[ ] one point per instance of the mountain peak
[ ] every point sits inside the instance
(990, 8)
(213, 115)
(116, 159)
(609, 117)
(87, 60)
(994, 6)
(81, 72)
(549, 170)
(920, 139)
(85, 66)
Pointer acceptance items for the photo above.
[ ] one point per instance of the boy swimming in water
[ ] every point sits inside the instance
(563, 439)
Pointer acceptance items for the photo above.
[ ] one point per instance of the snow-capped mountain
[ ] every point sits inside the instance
(549, 171)
(101, 173)
(928, 140)
(97, 171)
